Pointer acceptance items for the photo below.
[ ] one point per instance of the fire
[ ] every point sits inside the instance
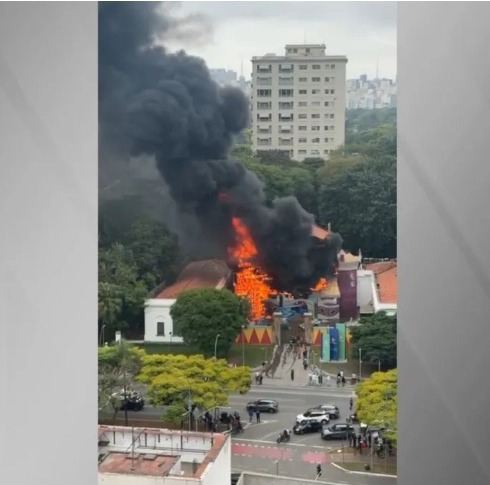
(250, 281)
(322, 284)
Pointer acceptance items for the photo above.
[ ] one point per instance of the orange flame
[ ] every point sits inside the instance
(321, 285)
(250, 281)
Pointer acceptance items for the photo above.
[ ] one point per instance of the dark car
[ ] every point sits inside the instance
(133, 401)
(263, 406)
(339, 431)
(332, 410)
(307, 427)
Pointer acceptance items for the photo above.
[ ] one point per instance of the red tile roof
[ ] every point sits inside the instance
(387, 280)
(318, 232)
(211, 273)
(145, 464)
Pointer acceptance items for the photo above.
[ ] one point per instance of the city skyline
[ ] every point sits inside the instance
(228, 34)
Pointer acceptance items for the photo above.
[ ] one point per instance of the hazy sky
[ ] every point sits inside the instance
(232, 32)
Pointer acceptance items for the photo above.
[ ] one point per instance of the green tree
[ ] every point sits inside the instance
(376, 337)
(118, 279)
(377, 401)
(110, 304)
(118, 365)
(180, 381)
(199, 315)
(155, 250)
(359, 200)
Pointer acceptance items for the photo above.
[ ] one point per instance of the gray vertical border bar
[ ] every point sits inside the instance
(48, 243)
(443, 234)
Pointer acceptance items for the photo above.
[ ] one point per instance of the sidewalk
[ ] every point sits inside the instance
(282, 376)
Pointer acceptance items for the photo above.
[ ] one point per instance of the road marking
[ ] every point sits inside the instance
(285, 444)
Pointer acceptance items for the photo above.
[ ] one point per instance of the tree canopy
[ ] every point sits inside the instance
(376, 336)
(177, 381)
(200, 315)
(377, 401)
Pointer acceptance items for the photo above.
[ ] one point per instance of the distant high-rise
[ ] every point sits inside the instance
(299, 101)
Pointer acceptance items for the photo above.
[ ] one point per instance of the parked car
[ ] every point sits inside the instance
(317, 415)
(307, 427)
(332, 409)
(339, 431)
(264, 406)
(132, 401)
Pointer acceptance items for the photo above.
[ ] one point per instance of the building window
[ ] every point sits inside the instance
(303, 79)
(332, 66)
(303, 67)
(303, 91)
(315, 152)
(316, 66)
(327, 103)
(264, 68)
(263, 142)
(332, 116)
(326, 152)
(302, 128)
(326, 140)
(316, 79)
(315, 128)
(303, 103)
(264, 81)
(332, 127)
(327, 79)
(263, 129)
(327, 66)
(302, 116)
(315, 103)
(160, 329)
(332, 91)
(263, 93)
(302, 140)
(285, 92)
(302, 152)
(325, 128)
(285, 68)
(286, 105)
(264, 105)
(286, 81)
(315, 116)
(315, 91)
(315, 140)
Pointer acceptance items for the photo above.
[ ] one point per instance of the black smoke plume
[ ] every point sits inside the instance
(165, 105)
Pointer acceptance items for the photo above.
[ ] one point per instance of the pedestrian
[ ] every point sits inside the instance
(257, 415)
(251, 415)
(256, 378)
(305, 353)
(328, 380)
(351, 404)
(354, 439)
(261, 378)
(292, 374)
(338, 381)
(370, 438)
(350, 439)
(360, 445)
(305, 364)
(343, 381)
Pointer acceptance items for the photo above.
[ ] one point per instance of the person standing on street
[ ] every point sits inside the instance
(292, 374)
(257, 415)
(251, 414)
(351, 404)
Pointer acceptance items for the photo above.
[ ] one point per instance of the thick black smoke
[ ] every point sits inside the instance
(165, 105)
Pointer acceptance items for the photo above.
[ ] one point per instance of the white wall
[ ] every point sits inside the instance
(218, 472)
(158, 310)
(367, 294)
(126, 479)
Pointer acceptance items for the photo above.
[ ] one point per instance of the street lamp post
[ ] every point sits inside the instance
(379, 365)
(216, 345)
(360, 363)
(243, 345)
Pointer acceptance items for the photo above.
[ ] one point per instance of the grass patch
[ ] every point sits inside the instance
(254, 354)
(388, 469)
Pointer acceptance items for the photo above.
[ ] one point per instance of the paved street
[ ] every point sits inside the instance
(256, 449)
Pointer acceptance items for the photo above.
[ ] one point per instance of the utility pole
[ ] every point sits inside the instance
(243, 345)
(360, 363)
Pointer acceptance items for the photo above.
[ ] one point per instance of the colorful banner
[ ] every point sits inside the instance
(255, 336)
(334, 343)
(341, 329)
(325, 344)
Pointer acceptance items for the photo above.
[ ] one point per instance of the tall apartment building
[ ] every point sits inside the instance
(299, 101)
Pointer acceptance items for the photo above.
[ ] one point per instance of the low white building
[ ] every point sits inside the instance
(147, 456)
(377, 287)
(159, 326)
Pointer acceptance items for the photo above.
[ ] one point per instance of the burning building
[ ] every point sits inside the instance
(164, 106)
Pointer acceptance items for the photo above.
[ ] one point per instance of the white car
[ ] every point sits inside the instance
(314, 415)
